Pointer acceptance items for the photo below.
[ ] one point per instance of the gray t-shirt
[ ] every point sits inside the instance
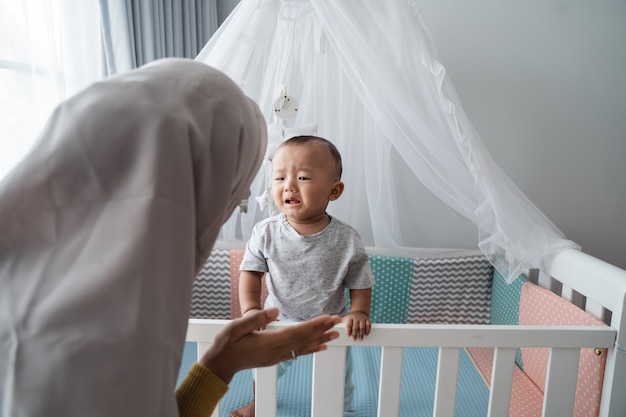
(307, 275)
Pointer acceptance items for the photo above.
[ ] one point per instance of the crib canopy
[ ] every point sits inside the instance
(367, 77)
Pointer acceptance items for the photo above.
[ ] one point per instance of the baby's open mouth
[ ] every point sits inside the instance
(292, 201)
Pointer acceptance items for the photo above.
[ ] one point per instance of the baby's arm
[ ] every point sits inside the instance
(357, 322)
(250, 291)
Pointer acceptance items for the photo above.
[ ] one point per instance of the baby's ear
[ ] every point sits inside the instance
(336, 191)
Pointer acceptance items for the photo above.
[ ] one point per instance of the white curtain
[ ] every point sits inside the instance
(51, 49)
(367, 75)
(48, 51)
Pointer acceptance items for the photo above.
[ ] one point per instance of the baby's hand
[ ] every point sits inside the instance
(358, 325)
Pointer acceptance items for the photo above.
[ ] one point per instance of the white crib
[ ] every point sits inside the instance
(598, 287)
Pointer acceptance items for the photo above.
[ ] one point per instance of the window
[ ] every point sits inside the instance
(48, 51)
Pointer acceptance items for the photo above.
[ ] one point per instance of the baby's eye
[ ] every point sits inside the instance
(303, 178)
(279, 179)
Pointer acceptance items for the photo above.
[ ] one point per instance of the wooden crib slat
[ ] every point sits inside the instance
(266, 391)
(390, 380)
(501, 382)
(328, 382)
(445, 386)
(561, 377)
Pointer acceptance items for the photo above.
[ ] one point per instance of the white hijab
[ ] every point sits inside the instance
(103, 227)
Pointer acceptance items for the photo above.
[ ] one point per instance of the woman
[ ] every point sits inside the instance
(103, 228)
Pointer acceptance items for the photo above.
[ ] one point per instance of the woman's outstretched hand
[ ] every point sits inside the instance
(241, 345)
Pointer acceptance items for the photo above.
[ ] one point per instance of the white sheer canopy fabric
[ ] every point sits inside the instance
(367, 75)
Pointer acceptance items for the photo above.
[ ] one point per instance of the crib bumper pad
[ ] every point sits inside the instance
(407, 290)
(539, 306)
(525, 303)
(427, 290)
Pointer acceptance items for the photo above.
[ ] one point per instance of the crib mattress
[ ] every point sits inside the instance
(419, 371)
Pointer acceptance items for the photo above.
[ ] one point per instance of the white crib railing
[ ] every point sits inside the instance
(328, 366)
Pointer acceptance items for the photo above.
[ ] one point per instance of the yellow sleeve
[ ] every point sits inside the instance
(199, 392)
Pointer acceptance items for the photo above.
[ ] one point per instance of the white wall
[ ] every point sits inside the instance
(544, 83)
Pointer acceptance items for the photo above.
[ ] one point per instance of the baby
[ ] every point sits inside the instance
(310, 258)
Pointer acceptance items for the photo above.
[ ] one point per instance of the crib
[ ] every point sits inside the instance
(549, 344)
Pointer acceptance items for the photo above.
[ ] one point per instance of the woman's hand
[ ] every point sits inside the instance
(241, 345)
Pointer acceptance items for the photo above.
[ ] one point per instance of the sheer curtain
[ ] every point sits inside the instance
(367, 75)
(51, 49)
(136, 32)
(48, 51)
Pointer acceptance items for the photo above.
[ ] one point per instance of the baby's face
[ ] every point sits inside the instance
(304, 176)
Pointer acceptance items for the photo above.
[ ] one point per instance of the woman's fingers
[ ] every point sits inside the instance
(306, 337)
(240, 345)
(313, 335)
(253, 321)
(349, 326)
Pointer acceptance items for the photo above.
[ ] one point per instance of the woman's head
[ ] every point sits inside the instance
(105, 224)
(174, 130)
(226, 133)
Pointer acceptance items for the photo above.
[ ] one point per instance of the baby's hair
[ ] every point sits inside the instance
(301, 140)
